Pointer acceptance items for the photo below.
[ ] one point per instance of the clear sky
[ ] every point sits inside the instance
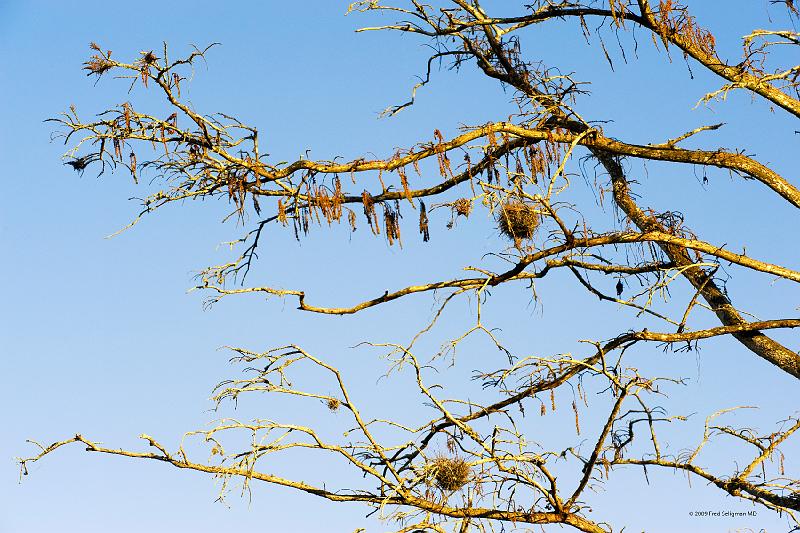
(98, 336)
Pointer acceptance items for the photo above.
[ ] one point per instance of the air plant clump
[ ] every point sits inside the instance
(148, 58)
(99, 63)
(449, 473)
(462, 206)
(333, 404)
(217, 450)
(79, 164)
(517, 220)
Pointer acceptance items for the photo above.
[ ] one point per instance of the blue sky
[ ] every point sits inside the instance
(99, 336)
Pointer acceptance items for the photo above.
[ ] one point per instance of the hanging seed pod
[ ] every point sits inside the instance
(423, 222)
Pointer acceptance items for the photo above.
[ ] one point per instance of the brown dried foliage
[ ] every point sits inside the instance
(674, 20)
(329, 204)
